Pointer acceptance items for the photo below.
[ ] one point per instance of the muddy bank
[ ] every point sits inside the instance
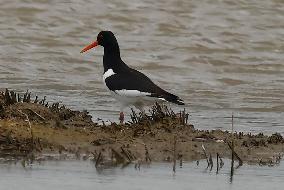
(34, 128)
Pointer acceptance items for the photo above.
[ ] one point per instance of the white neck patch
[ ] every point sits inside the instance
(108, 73)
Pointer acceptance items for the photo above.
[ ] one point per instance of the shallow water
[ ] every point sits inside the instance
(83, 175)
(219, 56)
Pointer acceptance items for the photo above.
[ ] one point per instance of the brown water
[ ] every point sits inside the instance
(220, 56)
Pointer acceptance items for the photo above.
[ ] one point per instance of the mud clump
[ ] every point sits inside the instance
(275, 138)
(13, 105)
(254, 142)
(17, 112)
(13, 146)
(70, 117)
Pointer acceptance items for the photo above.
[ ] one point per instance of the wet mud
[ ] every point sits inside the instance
(34, 129)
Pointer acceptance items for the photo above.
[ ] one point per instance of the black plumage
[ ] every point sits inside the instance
(131, 79)
(119, 77)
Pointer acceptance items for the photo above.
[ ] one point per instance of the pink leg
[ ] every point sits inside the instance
(121, 117)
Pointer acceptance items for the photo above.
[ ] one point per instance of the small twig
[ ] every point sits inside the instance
(36, 100)
(7, 97)
(180, 160)
(14, 97)
(217, 163)
(98, 160)
(183, 117)
(221, 162)
(167, 111)
(174, 156)
(126, 154)
(210, 161)
(95, 155)
(234, 154)
(204, 151)
(118, 157)
(133, 157)
(137, 165)
(147, 155)
(30, 126)
(232, 148)
(135, 118)
(41, 117)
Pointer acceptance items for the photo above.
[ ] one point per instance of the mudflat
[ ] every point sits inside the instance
(32, 127)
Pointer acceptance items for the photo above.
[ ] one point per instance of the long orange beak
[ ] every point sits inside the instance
(92, 45)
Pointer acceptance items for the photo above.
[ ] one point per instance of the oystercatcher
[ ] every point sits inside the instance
(127, 85)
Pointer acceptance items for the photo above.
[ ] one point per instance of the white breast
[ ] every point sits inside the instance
(108, 73)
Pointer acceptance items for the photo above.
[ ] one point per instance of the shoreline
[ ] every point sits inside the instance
(29, 128)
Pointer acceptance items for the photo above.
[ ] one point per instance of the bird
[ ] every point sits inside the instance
(127, 85)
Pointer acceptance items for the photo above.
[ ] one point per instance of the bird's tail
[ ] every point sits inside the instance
(173, 99)
(166, 96)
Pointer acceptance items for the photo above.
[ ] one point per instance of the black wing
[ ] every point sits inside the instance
(135, 80)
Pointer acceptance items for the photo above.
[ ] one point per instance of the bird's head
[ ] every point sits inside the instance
(105, 39)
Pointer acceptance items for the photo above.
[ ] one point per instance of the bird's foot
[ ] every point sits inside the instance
(121, 117)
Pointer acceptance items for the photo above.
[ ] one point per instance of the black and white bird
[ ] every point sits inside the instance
(129, 86)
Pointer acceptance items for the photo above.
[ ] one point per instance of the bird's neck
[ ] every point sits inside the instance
(112, 59)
